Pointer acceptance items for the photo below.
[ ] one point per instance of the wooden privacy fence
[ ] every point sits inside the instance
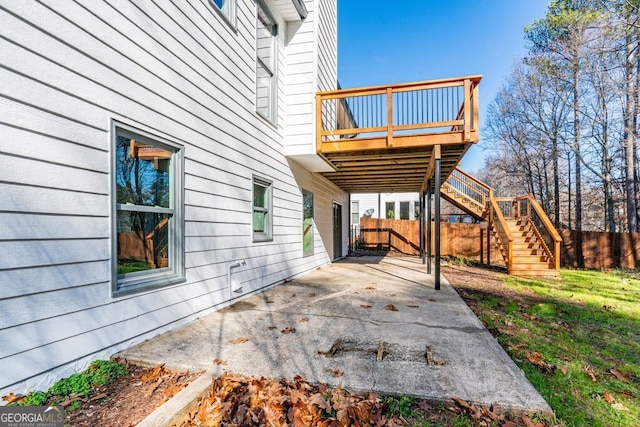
(600, 250)
(404, 236)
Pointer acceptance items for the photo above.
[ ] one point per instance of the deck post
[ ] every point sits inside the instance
(481, 246)
(436, 260)
(428, 242)
(421, 228)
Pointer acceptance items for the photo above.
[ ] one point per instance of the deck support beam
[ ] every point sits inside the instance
(436, 261)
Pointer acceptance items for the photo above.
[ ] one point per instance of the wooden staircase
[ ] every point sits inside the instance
(515, 224)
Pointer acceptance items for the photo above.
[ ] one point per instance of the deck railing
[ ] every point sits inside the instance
(503, 234)
(408, 109)
(529, 209)
(470, 187)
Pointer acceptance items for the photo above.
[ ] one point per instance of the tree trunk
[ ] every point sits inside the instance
(556, 184)
(578, 161)
(630, 135)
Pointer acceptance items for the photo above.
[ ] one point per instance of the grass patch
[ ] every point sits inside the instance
(577, 339)
(79, 385)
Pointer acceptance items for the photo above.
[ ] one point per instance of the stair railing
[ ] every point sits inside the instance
(468, 186)
(527, 207)
(503, 234)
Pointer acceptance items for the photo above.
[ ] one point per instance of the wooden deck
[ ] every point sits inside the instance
(387, 138)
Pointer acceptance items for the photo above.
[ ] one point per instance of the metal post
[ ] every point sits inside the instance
(428, 243)
(436, 260)
(421, 228)
(481, 246)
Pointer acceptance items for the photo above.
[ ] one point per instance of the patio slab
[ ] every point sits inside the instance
(341, 313)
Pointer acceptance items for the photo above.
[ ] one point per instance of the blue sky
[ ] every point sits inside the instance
(430, 39)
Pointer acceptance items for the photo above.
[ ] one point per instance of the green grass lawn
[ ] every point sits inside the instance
(577, 338)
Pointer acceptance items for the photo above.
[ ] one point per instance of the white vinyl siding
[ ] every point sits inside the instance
(311, 63)
(69, 69)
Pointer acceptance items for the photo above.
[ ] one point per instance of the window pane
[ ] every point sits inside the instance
(355, 212)
(143, 241)
(259, 221)
(142, 173)
(263, 90)
(307, 223)
(260, 198)
(404, 210)
(390, 210)
(227, 7)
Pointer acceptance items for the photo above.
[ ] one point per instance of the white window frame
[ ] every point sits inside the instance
(355, 210)
(122, 284)
(228, 10)
(267, 234)
(271, 69)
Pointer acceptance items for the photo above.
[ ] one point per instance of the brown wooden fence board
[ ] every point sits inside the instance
(600, 250)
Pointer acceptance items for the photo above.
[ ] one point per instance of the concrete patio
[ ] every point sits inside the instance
(341, 313)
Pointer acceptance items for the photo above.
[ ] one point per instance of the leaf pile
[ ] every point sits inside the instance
(235, 400)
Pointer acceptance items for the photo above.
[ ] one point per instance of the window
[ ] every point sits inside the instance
(266, 91)
(307, 223)
(404, 210)
(390, 210)
(148, 188)
(262, 215)
(228, 10)
(355, 212)
(416, 210)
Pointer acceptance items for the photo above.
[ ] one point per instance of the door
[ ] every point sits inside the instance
(337, 230)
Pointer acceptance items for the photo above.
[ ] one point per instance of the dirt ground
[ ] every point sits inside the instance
(132, 397)
(127, 400)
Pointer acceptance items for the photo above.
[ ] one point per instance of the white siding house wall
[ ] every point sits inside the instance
(173, 69)
(370, 201)
(312, 64)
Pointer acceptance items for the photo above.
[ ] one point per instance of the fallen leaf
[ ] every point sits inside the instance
(509, 423)
(270, 301)
(619, 407)
(536, 359)
(563, 369)
(393, 295)
(620, 375)
(312, 294)
(219, 362)
(391, 307)
(288, 330)
(271, 328)
(335, 372)
(424, 405)
(303, 320)
(239, 340)
(10, 398)
(369, 288)
(172, 390)
(608, 398)
(528, 423)
(589, 371)
(293, 295)
(365, 306)
(413, 306)
(529, 316)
